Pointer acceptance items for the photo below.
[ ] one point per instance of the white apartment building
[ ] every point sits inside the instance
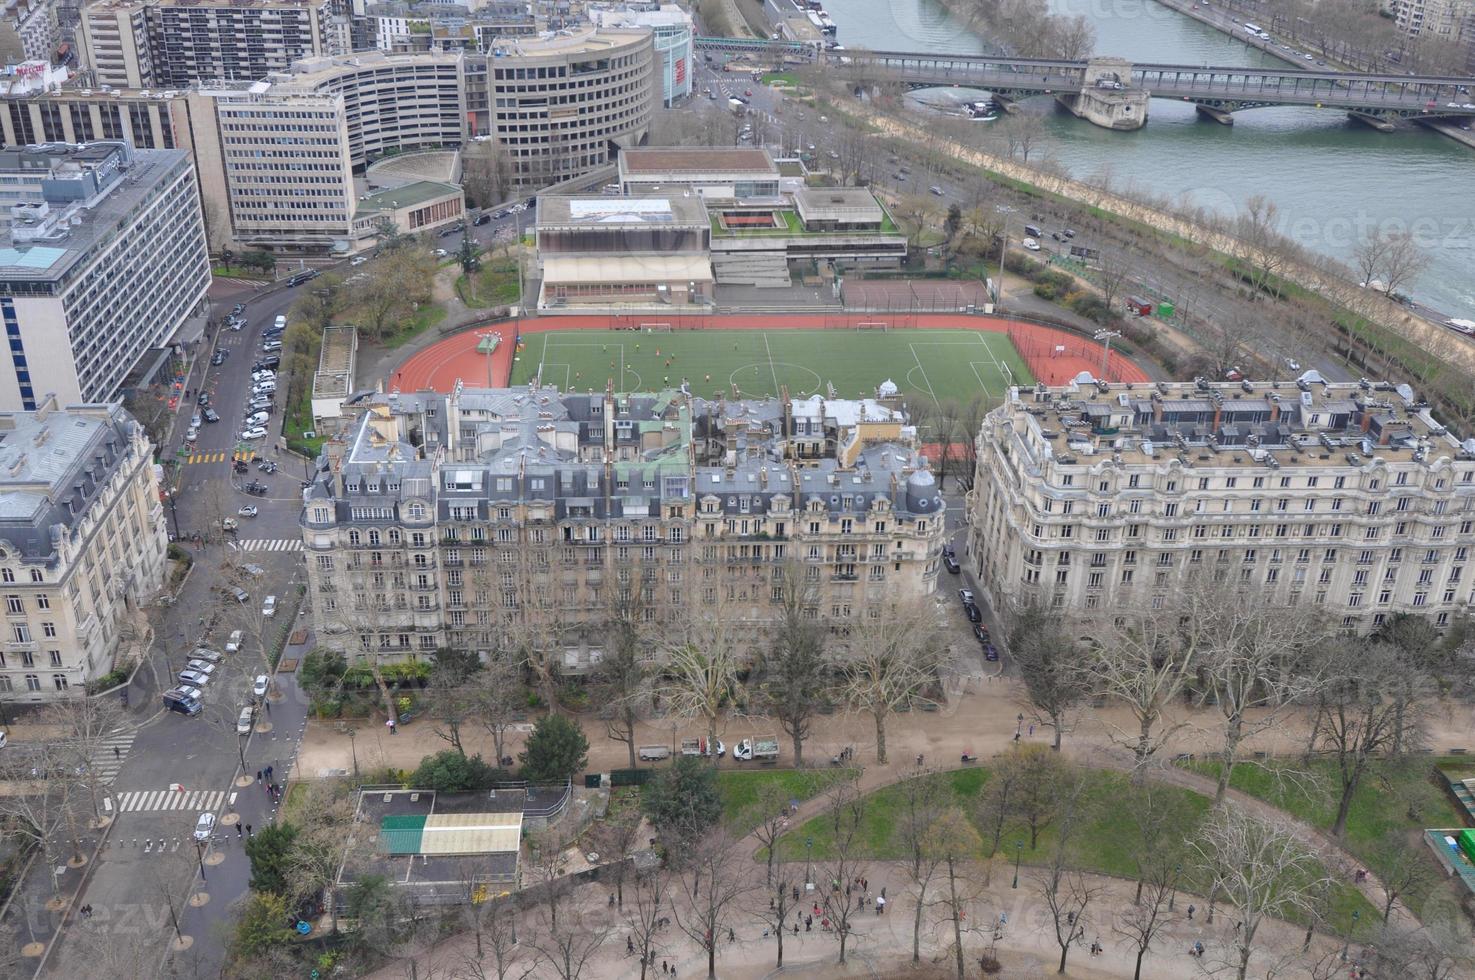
(1446, 19)
(153, 43)
(1349, 496)
(82, 542)
(29, 30)
(447, 519)
(102, 256)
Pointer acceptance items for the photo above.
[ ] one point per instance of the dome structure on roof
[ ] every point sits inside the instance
(922, 495)
(887, 389)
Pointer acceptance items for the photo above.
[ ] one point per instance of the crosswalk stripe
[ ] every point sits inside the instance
(140, 801)
(206, 458)
(104, 763)
(272, 544)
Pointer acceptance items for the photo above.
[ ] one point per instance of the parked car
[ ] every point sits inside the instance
(358, 260)
(174, 701)
(990, 652)
(269, 606)
(440, 253)
(192, 434)
(272, 345)
(482, 219)
(259, 686)
(193, 678)
(233, 644)
(204, 826)
(238, 594)
(255, 571)
(205, 654)
(218, 358)
(259, 419)
(255, 433)
(200, 665)
(238, 309)
(975, 615)
(966, 595)
(247, 511)
(935, 190)
(980, 632)
(243, 721)
(212, 416)
(951, 564)
(186, 691)
(1031, 245)
(229, 524)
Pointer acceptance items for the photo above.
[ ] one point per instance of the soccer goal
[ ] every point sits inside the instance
(872, 325)
(656, 327)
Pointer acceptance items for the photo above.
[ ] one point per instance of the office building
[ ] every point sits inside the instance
(157, 44)
(566, 104)
(673, 29)
(102, 257)
(82, 544)
(713, 173)
(1351, 497)
(457, 520)
(29, 31)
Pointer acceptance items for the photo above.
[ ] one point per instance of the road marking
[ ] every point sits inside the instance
(142, 801)
(774, 371)
(272, 544)
(103, 762)
(930, 389)
(205, 458)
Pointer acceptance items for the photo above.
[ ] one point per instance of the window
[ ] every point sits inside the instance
(60, 680)
(43, 602)
(33, 682)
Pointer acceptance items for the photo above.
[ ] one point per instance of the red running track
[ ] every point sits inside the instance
(439, 366)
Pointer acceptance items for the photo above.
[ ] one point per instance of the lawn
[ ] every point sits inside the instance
(494, 284)
(1102, 843)
(427, 316)
(741, 790)
(936, 364)
(1394, 800)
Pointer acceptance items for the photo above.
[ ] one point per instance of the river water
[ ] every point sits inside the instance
(1334, 181)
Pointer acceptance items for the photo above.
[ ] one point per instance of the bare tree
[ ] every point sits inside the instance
(650, 900)
(324, 822)
(701, 667)
(797, 675)
(618, 837)
(1040, 778)
(1253, 661)
(715, 879)
(1388, 260)
(1049, 660)
(496, 694)
(498, 955)
(567, 946)
(1356, 718)
(783, 901)
(1439, 951)
(1267, 251)
(769, 818)
(86, 723)
(1158, 867)
(41, 807)
(1144, 657)
(1068, 896)
(1262, 869)
(921, 811)
(1403, 868)
(449, 699)
(845, 866)
(625, 672)
(954, 845)
(890, 657)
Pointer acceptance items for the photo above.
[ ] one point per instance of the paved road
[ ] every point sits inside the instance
(175, 768)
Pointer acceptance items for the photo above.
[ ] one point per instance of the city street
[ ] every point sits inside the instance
(174, 767)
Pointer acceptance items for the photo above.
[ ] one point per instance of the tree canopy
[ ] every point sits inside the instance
(452, 772)
(270, 851)
(683, 801)
(555, 750)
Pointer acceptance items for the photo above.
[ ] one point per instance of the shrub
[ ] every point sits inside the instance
(111, 679)
(451, 772)
(556, 749)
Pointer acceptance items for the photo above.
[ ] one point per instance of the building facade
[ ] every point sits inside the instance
(149, 43)
(1347, 496)
(102, 257)
(673, 29)
(566, 104)
(467, 518)
(82, 542)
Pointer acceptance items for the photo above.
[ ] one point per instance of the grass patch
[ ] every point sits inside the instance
(494, 284)
(741, 789)
(425, 317)
(941, 364)
(783, 77)
(298, 421)
(292, 806)
(1101, 843)
(238, 271)
(1394, 801)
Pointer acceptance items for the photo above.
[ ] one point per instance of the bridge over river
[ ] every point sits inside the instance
(1114, 93)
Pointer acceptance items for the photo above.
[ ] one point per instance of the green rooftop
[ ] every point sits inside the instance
(405, 196)
(793, 226)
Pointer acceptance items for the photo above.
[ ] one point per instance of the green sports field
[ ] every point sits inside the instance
(942, 365)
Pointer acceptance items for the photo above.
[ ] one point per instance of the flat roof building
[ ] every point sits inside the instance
(713, 172)
(102, 257)
(674, 30)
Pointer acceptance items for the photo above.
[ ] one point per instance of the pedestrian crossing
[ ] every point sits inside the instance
(141, 801)
(272, 544)
(244, 455)
(107, 759)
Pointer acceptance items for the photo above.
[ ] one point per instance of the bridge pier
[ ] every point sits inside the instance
(1220, 116)
(1376, 122)
(1105, 98)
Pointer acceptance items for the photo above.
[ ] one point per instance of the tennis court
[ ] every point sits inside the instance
(940, 365)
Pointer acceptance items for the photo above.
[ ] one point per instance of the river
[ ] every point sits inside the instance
(1334, 181)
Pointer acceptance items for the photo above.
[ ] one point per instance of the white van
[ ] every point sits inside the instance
(281, 322)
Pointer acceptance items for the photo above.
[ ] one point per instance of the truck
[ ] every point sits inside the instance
(760, 748)
(653, 753)
(701, 747)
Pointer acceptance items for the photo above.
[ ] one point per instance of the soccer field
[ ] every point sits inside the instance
(942, 365)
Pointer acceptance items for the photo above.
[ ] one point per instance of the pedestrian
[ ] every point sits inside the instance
(116, 753)
(258, 776)
(267, 705)
(1031, 728)
(1191, 910)
(1237, 926)
(248, 830)
(1016, 736)
(1003, 918)
(664, 967)
(268, 771)
(731, 936)
(883, 893)
(239, 832)
(629, 946)
(391, 725)
(796, 927)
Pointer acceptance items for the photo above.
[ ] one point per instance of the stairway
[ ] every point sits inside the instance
(762, 269)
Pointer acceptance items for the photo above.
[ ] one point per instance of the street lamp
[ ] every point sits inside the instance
(200, 856)
(1106, 336)
(1018, 853)
(1347, 940)
(353, 749)
(1018, 724)
(1177, 870)
(808, 849)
